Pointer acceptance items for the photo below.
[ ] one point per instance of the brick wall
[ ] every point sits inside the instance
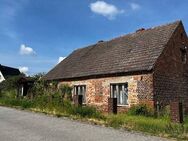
(140, 89)
(176, 111)
(170, 74)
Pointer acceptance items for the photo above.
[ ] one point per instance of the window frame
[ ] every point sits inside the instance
(117, 85)
(84, 96)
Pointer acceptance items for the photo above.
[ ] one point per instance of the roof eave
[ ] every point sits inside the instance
(137, 72)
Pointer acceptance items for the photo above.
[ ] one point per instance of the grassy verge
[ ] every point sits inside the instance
(155, 126)
(54, 107)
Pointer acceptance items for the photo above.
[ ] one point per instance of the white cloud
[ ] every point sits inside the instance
(61, 59)
(24, 50)
(24, 70)
(135, 6)
(105, 9)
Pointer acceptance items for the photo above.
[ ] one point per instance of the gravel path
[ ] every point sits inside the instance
(17, 125)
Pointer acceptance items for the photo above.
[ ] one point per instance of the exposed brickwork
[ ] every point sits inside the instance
(170, 74)
(176, 111)
(98, 90)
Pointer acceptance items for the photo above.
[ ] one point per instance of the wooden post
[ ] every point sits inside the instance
(181, 111)
(112, 105)
(157, 109)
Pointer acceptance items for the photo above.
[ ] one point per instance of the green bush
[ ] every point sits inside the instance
(165, 111)
(41, 101)
(11, 83)
(27, 103)
(23, 103)
(141, 109)
(66, 91)
(9, 94)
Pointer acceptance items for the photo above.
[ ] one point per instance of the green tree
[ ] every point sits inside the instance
(66, 91)
(10, 85)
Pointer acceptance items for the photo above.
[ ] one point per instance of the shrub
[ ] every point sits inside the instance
(10, 83)
(24, 103)
(38, 88)
(8, 88)
(165, 111)
(66, 91)
(9, 94)
(67, 106)
(141, 109)
(27, 103)
(41, 101)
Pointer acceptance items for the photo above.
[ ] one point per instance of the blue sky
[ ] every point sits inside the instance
(35, 33)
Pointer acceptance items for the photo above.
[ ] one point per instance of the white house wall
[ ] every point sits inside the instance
(1, 77)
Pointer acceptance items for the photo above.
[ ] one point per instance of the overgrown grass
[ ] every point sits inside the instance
(141, 110)
(139, 118)
(53, 105)
(22, 103)
(157, 126)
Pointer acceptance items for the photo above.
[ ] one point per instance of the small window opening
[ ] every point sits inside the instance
(181, 35)
(184, 54)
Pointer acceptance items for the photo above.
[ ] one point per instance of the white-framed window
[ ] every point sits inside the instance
(119, 91)
(80, 90)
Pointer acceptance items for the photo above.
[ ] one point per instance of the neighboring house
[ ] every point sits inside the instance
(6, 72)
(148, 66)
(25, 84)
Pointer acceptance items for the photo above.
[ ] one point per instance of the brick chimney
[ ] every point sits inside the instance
(139, 30)
(100, 41)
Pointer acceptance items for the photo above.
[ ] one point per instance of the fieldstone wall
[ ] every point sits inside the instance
(140, 89)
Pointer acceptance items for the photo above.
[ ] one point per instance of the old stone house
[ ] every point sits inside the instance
(148, 66)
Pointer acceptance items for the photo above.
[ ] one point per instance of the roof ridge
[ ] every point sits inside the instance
(131, 33)
(9, 67)
(147, 29)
